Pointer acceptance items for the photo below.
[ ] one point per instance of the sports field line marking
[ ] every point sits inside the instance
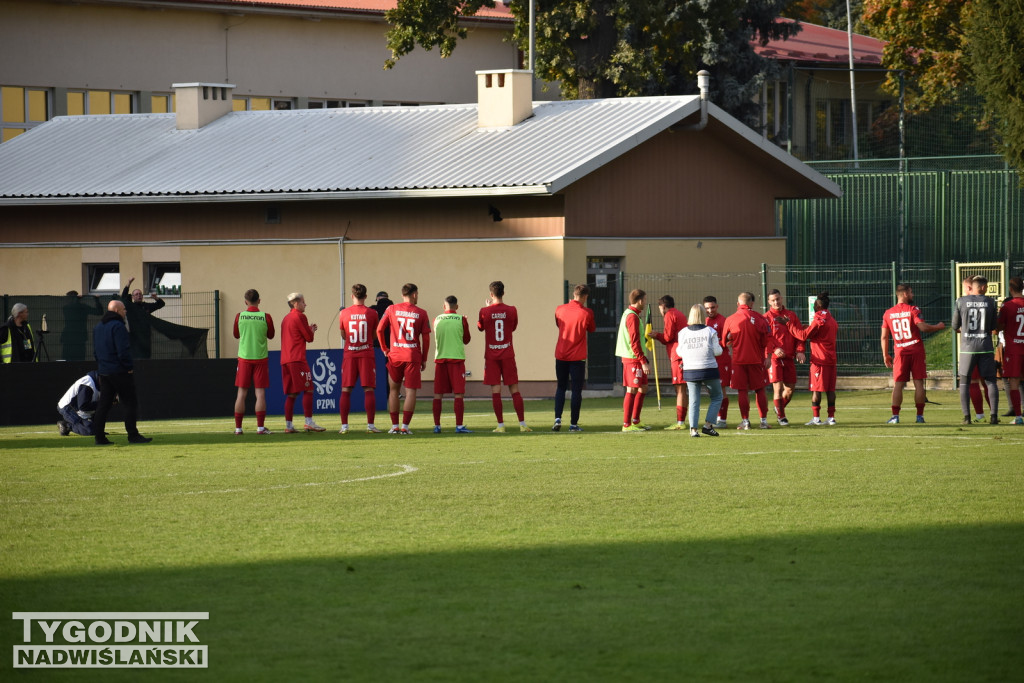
(406, 469)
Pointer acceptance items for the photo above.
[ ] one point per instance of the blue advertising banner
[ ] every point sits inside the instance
(325, 366)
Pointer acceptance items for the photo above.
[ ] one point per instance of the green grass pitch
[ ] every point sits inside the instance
(857, 552)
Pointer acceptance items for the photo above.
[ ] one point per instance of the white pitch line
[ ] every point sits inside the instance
(406, 469)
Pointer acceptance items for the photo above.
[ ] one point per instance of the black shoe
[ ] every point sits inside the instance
(557, 427)
(966, 421)
(63, 427)
(139, 438)
(710, 431)
(993, 420)
(1008, 413)
(104, 441)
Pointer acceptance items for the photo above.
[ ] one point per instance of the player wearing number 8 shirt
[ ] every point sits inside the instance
(498, 321)
(358, 325)
(904, 324)
(406, 348)
(974, 318)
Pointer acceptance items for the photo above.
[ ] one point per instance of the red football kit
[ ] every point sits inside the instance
(498, 322)
(747, 332)
(908, 357)
(783, 369)
(574, 321)
(358, 326)
(674, 322)
(821, 334)
(295, 334)
(1011, 322)
(409, 325)
(253, 372)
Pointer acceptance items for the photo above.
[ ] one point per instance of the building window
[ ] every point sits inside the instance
(251, 104)
(100, 102)
(22, 109)
(161, 104)
(102, 278)
(336, 104)
(163, 278)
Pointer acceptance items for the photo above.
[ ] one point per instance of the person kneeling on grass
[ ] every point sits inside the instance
(77, 406)
(698, 347)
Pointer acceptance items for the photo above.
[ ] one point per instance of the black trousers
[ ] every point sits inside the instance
(121, 385)
(569, 375)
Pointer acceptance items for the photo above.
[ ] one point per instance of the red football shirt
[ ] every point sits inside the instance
(777, 325)
(410, 333)
(498, 322)
(1011, 322)
(717, 323)
(358, 325)
(901, 320)
(674, 321)
(748, 333)
(821, 333)
(574, 321)
(295, 333)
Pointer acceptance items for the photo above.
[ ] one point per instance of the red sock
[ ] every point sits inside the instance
(895, 410)
(307, 404)
(437, 412)
(724, 410)
(762, 403)
(817, 411)
(496, 404)
(832, 411)
(394, 418)
(238, 420)
(406, 417)
(680, 412)
(460, 410)
(371, 408)
(638, 405)
(1015, 402)
(261, 417)
(517, 403)
(627, 408)
(920, 408)
(976, 398)
(744, 400)
(780, 407)
(344, 405)
(289, 408)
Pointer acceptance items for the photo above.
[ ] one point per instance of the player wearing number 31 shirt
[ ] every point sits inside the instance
(904, 324)
(406, 348)
(358, 327)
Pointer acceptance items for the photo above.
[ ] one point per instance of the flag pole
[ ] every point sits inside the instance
(648, 330)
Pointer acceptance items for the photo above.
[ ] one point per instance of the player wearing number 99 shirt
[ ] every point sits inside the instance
(358, 326)
(498, 321)
(406, 348)
(904, 324)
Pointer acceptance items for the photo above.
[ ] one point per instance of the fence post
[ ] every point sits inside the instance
(216, 324)
(894, 283)
(764, 286)
(955, 360)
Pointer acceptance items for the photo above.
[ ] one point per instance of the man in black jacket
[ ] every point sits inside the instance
(112, 348)
(139, 315)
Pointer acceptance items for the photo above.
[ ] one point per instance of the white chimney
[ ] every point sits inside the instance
(504, 97)
(197, 104)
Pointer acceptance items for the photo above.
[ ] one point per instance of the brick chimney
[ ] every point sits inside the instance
(197, 104)
(504, 97)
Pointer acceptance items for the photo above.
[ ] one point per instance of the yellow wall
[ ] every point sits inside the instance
(40, 270)
(530, 269)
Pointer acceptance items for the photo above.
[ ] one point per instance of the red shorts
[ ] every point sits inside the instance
(1013, 365)
(905, 366)
(362, 368)
(633, 374)
(497, 368)
(450, 378)
(296, 378)
(405, 372)
(782, 370)
(748, 377)
(823, 377)
(677, 371)
(252, 372)
(725, 369)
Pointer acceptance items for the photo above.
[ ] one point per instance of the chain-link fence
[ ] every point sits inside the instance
(185, 327)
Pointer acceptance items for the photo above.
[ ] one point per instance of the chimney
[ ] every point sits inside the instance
(504, 97)
(197, 104)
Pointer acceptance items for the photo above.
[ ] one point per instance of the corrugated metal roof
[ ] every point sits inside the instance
(385, 151)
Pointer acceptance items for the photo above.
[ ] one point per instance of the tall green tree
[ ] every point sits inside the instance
(615, 48)
(995, 40)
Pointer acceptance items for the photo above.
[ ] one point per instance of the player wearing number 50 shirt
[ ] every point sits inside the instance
(903, 324)
(358, 328)
(498, 321)
(406, 348)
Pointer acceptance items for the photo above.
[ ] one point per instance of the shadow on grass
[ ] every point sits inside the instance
(903, 605)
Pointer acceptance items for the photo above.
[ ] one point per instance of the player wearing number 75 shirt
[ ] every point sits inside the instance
(498, 321)
(904, 324)
(358, 326)
(406, 348)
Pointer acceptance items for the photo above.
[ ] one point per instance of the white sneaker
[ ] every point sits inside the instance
(783, 422)
(831, 422)
(343, 430)
(744, 425)
(395, 430)
(721, 423)
(816, 422)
